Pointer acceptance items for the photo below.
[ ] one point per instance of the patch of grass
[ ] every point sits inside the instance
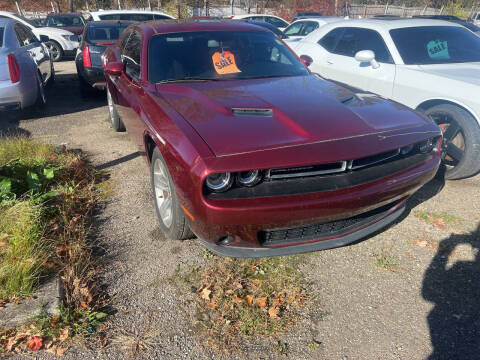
(386, 262)
(238, 298)
(440, 220)
(47, 197)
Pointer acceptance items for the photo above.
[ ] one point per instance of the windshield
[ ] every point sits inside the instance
(105, 32)
(436, 45)
(219, 55)
(63, 21)
(29, 21)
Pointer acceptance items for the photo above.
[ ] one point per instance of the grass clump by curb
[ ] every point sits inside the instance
(242, 298)
(47, 196)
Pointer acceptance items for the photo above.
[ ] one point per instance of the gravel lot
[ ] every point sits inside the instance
(398, 295)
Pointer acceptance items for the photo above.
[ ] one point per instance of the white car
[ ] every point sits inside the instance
(432, 66)
(476, 19)
(130, 15)
(62, 42)
(276, 21)
(297, 30)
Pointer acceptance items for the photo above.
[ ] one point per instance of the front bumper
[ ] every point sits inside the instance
(246, 219)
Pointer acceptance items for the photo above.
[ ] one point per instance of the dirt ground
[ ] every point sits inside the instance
(410, 292)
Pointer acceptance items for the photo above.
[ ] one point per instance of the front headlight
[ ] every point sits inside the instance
(219, 182)
(73, 38)
(249, 178)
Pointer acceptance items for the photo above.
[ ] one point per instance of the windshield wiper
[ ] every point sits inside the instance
(186, 79)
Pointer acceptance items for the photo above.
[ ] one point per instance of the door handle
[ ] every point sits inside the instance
(329, 62)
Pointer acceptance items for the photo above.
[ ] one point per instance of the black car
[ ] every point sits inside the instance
(96, 36)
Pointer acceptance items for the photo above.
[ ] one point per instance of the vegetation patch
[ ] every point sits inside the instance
(241, 298)
(47, 196)
(440, 220)
(386, 262)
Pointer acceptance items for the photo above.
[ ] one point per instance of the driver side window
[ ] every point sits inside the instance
(131, 55)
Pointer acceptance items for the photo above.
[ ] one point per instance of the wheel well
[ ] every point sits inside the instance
(149, 146)
(429, 103)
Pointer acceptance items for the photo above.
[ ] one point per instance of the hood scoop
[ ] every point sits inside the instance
(252, 112)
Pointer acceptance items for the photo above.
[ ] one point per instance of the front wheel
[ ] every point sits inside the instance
(115, 121)
(55, 50)
(169, 213)
(461, 140)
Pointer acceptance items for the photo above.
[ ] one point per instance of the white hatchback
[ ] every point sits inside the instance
(129, 15)
(432, 66)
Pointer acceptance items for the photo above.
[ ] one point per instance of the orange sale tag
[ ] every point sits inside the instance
(224, 63)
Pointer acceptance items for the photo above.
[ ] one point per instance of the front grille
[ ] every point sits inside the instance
(322, 230)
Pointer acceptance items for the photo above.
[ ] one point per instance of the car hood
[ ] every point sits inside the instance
(464, 72)
(239, 116)
(51, 30)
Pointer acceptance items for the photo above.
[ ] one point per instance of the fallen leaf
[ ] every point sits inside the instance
(212, 304)
(236, 299)
(407, 254)
(249, 299)
(61, 350)
(290, 299)
(421, 243)
(261, 302)
(256, 283)
(54, 320)
(83, 305)
(205, 294)
(15, 340)
(34, 343)
(273, 312)
(64, 334)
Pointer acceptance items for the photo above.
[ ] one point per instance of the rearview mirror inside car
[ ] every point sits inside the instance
(367, 56)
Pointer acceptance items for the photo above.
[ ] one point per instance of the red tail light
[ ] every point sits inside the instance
(14, 69)
(87, 61)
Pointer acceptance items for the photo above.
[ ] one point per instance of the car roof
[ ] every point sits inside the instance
(320, 19)
(103, 12)
(64, 14)
(165, 26)
(383, 24)
(110, 22)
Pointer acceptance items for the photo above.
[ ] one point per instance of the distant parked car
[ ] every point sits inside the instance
(62, 42)
(268, 26)
(301, 28)
(25, 67)
(94, 40)
(306, 15)
(73, 22)
(129, 15)
(271, 19)
(429, 65)
(253, 153)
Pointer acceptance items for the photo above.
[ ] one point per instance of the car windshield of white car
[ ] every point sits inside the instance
(61, 21)
(425, 45)
(220, 55)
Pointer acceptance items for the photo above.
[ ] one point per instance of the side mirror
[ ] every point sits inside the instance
(367, 56)
(114, 68)
(306, 60)
(44, 38)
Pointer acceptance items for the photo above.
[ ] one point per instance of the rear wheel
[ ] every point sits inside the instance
(115, 121)
(461, 140)
(170, 215)
(55, 50)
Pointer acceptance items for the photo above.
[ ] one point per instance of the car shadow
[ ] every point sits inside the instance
(64, 97)
(454, 290)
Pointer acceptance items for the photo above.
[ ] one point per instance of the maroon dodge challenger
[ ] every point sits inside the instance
(253, 153)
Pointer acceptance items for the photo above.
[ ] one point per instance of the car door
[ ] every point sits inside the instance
(339, 64)
(39, 53)
(129, 86)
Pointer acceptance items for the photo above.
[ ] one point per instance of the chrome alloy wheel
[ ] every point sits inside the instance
(53, 50)
(163, 193)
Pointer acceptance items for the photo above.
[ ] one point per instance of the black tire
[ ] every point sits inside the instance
(115, 121)
(41, 100)
(55, 50)
(178, 228)
(461, 143)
